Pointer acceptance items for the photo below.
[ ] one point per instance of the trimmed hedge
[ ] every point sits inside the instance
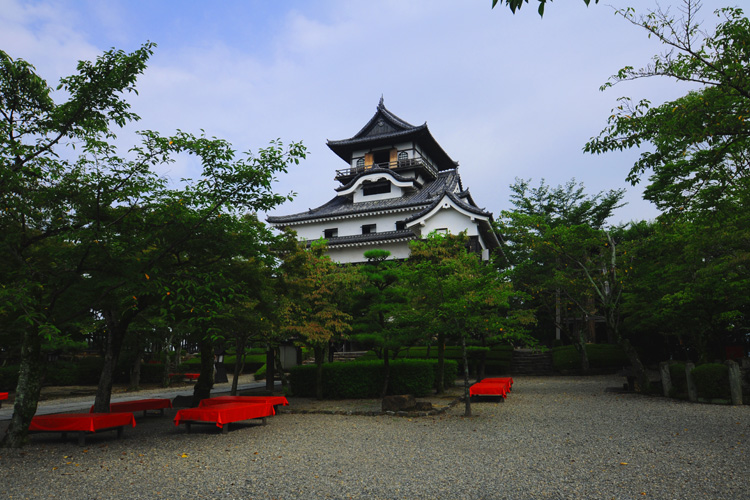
(604, 357)
(9, 378)
(497, 359)
(364, 379)
(712, 381)
(678, 378)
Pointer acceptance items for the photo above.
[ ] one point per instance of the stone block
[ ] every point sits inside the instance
(403, 402)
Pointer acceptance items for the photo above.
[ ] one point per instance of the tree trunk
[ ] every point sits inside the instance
(581, 347)
(482, 366)
(135, 371)
(28, 389)
(239, 362)
(115, 337)
(467, 396)
(270, 368)
(282, 374)
(205, 383)
(644, 384)
(319, 358)
(386, 372)
(441, 363)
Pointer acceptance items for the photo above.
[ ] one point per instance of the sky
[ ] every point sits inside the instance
(507, 96)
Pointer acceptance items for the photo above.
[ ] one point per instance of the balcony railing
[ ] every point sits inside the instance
(394, 165)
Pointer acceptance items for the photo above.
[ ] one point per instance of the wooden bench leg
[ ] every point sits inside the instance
(82, 438)
(225, 429)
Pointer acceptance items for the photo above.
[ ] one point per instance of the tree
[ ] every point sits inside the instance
(46, 198)
(90, 229)
(697, 147)
(535, 266)
(517, 4)
(382, 322)
(311, 310)
(459, 297)
(687, 284)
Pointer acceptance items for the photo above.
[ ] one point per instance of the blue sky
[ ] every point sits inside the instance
(505, 95)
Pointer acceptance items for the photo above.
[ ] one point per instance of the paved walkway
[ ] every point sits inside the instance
(75, 404)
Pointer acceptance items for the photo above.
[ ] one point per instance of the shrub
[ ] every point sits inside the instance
(602, 357)
(712, 381)
(61, 373)
(89, 370)
(8, 378)
(364, 379)
(260, 373)
(497, 358)
(679, 380)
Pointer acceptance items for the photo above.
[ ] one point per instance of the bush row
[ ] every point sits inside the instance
(602, 357)
(497, 358)
(711, 381)
(364, 379)
(87, 370)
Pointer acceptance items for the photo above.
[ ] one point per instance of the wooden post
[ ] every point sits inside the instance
(692, 391)
(735, 381)
(666, 378)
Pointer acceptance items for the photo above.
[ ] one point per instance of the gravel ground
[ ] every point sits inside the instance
(561, 437)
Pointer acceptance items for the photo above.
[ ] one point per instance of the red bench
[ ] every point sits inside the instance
(272, 400)
(500, 386)
(82, 423)
(3, 396)
(143, 405)
(186, 376)
(223, 414)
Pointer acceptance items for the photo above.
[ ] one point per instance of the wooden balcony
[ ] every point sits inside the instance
(346, 174)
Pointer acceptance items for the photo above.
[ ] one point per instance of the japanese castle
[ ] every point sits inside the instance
(399, 185)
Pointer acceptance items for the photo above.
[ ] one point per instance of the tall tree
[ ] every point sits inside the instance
(382, 322)
(94, 226)
(696, 147)
(460, 298)
(311, 310)
(515, 5)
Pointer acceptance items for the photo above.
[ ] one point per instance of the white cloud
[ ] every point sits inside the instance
(505, 95)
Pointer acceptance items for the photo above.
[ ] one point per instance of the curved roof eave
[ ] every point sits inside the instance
(400, 130)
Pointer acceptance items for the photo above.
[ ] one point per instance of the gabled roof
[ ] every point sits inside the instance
(385, 129)
(364, 239)
(457, 200)
(343, 206)
(378, 170)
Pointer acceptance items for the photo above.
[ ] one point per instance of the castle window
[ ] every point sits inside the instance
(369, 228)
(360, 163)
(380, 187)
(403, 156)
(330, 233)
(382, 157)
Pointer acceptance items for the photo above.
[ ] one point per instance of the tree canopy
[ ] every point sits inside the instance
(696, 147)
(515, 5)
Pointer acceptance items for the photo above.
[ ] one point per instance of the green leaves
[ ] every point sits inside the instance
(696, 146)
(516, 4)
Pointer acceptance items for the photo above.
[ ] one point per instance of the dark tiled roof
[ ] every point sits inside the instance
(385, 128)
(404, 234)
(447, 181)
(375, 170)
(457, 200)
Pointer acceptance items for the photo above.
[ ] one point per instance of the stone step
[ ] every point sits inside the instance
(531, 363)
